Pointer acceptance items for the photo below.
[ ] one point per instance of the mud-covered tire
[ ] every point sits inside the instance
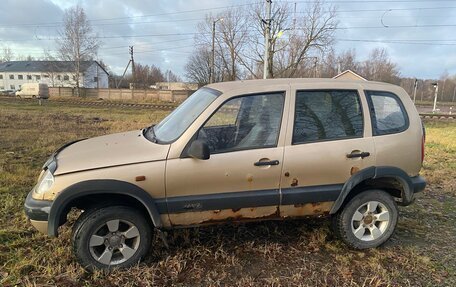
(361, 226)
(95, 234)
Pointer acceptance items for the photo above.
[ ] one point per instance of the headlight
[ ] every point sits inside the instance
(47, 180)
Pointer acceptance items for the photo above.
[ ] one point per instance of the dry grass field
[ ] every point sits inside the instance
(282, 253)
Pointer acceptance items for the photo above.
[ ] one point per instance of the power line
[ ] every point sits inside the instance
(397, 42)
(143, 16)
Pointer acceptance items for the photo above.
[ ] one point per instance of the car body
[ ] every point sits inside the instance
(7, 92)
(246, 150)
(33, 90)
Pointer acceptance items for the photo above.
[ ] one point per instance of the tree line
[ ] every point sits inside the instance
(301, 45)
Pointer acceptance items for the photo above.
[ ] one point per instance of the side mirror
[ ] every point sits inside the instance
(199, 149)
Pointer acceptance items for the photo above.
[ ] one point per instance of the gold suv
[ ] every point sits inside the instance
(235, 151)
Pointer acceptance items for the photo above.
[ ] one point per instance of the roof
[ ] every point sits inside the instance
(45, 66)
(349, 74)
(245, 84)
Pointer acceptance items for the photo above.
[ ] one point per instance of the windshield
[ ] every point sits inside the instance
(175, 124)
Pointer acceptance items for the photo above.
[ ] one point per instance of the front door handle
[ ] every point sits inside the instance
(264, 163)
(360, 154)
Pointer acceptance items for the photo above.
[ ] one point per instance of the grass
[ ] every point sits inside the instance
(288, 253)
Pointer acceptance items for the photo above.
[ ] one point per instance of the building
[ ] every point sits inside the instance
(54, 73)
(349, 75)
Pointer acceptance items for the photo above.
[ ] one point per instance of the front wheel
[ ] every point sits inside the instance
(368, 220)
(107, 237)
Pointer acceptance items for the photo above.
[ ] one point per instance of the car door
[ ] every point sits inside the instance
(241, 178)
(330, 140)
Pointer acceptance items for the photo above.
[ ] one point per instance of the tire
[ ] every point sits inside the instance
(367, 221)
(111, 237)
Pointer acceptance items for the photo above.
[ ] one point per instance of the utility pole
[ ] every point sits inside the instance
(454, 94)
(212, 68)
(436, 86)
(266, 40)
(133, 66)
(414, 90)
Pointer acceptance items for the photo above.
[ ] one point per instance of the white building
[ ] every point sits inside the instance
(54, 73)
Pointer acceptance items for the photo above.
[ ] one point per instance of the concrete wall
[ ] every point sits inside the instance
(124, 94)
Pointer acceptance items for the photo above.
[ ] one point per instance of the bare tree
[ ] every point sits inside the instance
(379, 67)
(231, 36)
(314, 34)
(8, 55)
(77, 40)
(198, 66)
(148, 75)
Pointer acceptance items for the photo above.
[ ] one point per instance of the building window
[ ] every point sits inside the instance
(327, 115)
(37, 77)
(1, 77)
(95, 79)
(66, 78)
(11, 77)
(20, 77)
(46, 76)
(12, 87)
(29, 77)
(59, 77)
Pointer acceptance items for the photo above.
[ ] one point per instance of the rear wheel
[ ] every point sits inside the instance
(107, 237)
(367, 220)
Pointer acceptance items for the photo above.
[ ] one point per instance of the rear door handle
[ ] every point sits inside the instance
(264, 163)
(355, 154)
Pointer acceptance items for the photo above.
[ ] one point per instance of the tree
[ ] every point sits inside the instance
(148, 75)
(198, 66)
(239, 39)
(8, 54)
(77, 41)
(171, 77)
(230, 38)
(313, 35)
(379, 67)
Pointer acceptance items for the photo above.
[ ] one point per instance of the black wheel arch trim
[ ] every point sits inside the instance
(96, 187)
(409, 187)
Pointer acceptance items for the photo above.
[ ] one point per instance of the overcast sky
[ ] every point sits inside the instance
(162, 31)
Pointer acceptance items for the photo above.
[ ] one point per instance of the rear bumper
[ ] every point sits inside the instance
(418, 183)
(37, 212)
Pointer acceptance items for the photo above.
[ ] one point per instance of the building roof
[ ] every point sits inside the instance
(45, 66)
(271, 83)
(349, 75)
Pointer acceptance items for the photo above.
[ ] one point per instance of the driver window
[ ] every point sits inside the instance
(246, 122)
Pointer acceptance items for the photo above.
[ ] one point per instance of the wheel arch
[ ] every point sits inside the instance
(393, 180)
(72, 197)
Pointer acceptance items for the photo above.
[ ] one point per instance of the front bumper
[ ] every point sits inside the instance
(38, 212)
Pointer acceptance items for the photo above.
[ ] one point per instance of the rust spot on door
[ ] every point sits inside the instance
(354, 170)
(140, 178)
(294, 182)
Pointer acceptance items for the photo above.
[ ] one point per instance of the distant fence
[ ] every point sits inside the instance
(123, 94)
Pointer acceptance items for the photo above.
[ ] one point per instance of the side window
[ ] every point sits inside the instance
(387, 113)
(327, 115)
(246, 122)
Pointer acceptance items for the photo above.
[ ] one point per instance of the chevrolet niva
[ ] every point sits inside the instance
(240, 151)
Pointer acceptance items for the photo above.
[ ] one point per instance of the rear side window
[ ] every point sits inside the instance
(387, 113)
(327, 115)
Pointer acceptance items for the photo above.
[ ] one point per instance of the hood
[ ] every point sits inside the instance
(110, 150)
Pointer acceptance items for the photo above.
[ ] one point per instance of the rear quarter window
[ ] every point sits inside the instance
(387, 113)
